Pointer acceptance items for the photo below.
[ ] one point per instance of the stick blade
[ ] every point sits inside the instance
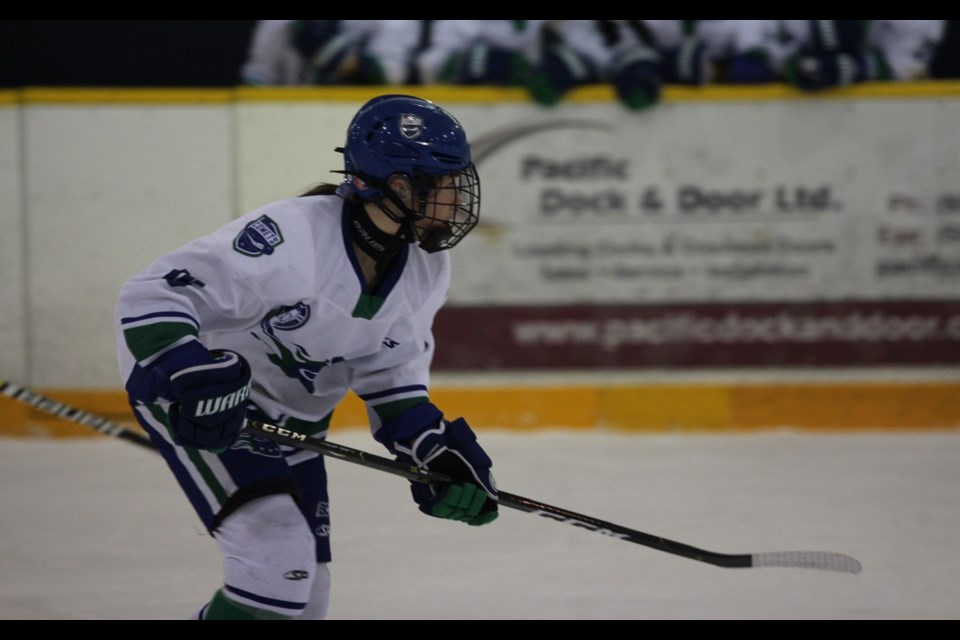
(824, 560)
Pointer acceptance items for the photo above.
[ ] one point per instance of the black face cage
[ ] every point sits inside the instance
(433, 202)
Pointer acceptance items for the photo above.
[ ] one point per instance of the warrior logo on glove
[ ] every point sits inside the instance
(222, 403)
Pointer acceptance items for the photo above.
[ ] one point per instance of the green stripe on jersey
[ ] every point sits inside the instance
(367, 306)
(145, 341)
(389, 410)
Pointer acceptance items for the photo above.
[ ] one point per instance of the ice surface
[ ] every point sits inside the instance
(97, 529)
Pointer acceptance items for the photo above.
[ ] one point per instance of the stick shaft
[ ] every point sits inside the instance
(73, 414)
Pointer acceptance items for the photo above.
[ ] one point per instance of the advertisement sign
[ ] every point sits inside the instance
(710, 234)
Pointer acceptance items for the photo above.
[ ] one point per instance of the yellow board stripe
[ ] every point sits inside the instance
(126, 96)
(646, 408)
(10, 97)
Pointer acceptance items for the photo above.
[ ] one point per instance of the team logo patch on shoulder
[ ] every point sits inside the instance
(258, 238)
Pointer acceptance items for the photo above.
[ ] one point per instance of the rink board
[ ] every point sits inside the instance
(829, 406)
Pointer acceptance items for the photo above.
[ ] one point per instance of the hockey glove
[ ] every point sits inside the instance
(210, 401)
(207, 391)
(635, 75)
(561, 70)
(817, 71)
(420, 436)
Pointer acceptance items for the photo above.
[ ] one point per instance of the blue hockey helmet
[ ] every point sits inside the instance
(401, 139)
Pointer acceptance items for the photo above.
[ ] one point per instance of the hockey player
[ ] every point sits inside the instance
(480, 52)
(330, 52)
(279, 314)
(815, 55)
(574, 53)
(581, 52)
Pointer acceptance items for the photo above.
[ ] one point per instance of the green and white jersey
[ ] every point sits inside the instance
(282, 286)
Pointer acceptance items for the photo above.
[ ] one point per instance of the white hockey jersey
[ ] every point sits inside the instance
(282, 286)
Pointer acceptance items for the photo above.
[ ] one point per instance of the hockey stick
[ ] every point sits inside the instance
(824, 560)
(73, 414)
